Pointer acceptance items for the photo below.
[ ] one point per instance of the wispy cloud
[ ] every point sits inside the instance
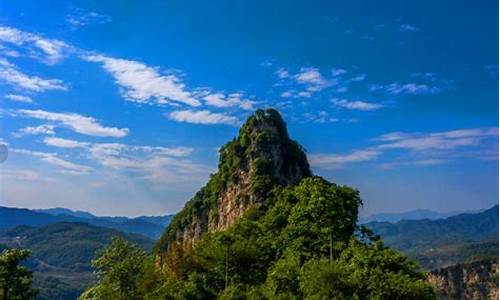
(423, 162)
(79, 18)
(78, 123)
(202, 117)
(310, 80)
(19, 98)
(282, 73)
(407, 28)
(418, 149)
(64, 143)
(356, 105)
(52, 159)
(49, 51)
(320, 117)
(144, 84)
(222, 101)
(21, 81)
(333, 161)
(408, 89)
(154, 163)
(33, 130)
(438, 140)
(492, 70)
(24, 175)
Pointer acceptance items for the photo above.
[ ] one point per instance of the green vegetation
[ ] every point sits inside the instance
(62, 254)
(124, 271)
(70, 246)
(261, 140)
(302, 247)
(297, 239)
(15, 280)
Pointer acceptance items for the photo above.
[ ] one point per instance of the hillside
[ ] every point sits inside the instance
(61, 254)
(469, 281)
(149, 226)
(263, 227)
(262, 157)
(438, 243)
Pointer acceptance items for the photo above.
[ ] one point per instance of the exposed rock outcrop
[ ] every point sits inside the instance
(469, 281)
(261, 157)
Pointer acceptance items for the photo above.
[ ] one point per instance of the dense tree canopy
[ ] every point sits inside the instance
(15, 279)
(304, 246)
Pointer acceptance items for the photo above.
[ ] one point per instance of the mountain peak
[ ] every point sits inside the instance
(264, 149)
(250, 166)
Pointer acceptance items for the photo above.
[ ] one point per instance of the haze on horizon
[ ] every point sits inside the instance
(119, 109)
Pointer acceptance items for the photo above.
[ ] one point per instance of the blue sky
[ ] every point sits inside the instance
(119, 108)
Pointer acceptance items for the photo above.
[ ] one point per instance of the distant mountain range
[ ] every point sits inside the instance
(443, 242)
(418, 214)
(149, 226)
(62, 252)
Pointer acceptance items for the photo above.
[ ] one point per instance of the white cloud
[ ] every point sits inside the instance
(492, 70)
(304, 94)
(409, 89)
(144, 84)
(287, 94)
(63, 143)
(407, 28)
(49, 51)
(157, 164)
(338, 71)
(312, 78)
(100, 150)
(154, 163)
(78, 123)
(79, 18)
(320, 117)
(356, 105)
(423, 162)
(11, 75)
(438, 140)
(474, 132)
(32, 130)
(282, 73)
(221, 100)
(202, 117)
(392, 136)
(23, 175)
(69, 166)
(19, 98)
(332, 161)
(427, 149)
(52, 159)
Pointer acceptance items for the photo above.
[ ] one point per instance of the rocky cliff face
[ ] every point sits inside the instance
(261, 157)
(471, 281)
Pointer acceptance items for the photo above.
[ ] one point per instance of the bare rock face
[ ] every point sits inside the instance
(470, 281)
(260, 158)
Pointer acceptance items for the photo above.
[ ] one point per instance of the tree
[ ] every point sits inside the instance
(15, 280)
(227, 240)
(123, 272)
(365, 271)
(324, 215)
